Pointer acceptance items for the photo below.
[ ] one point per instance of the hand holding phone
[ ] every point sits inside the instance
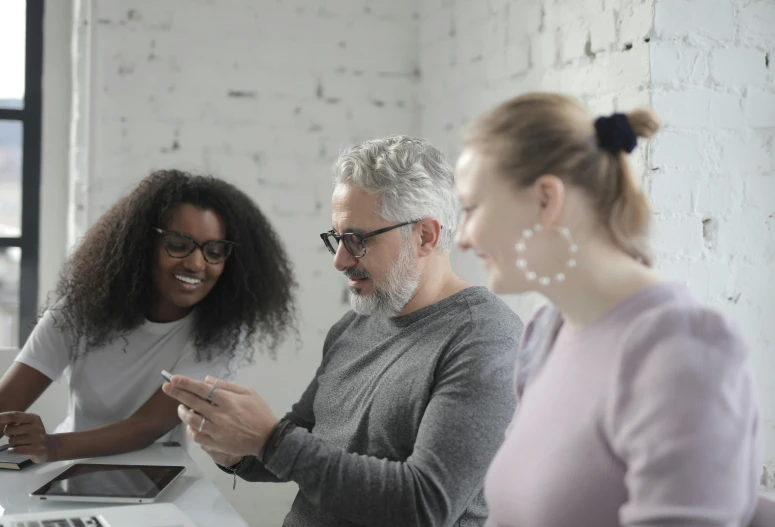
(168, 378)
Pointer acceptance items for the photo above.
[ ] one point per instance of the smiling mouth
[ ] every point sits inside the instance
(187, 279)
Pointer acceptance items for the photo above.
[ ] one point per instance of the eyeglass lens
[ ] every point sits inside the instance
(178, 246)
(351, 242)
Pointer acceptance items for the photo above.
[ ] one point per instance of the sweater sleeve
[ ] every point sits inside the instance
(461, 429)
(683, 419)
(302, 413)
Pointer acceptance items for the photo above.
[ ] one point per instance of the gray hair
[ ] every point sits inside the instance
(411, 177)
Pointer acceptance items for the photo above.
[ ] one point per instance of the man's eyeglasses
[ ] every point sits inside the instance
(179, 245)
(355, 243)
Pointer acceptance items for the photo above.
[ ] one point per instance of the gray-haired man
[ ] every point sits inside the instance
(415, 390)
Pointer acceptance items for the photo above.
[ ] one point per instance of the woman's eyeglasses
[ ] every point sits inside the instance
(354, 243)
(180, 245)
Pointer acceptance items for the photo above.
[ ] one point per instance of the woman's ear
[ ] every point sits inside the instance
(549, 192)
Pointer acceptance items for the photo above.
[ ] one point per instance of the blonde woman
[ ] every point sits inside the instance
(636, 403)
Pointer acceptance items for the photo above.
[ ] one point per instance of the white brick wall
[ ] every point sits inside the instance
(709, 67)
(265, 93)
(475, 53)
(714, 166)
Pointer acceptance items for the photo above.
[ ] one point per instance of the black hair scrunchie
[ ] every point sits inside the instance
(615, 134)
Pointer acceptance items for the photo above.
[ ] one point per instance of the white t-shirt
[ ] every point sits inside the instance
(111, 383)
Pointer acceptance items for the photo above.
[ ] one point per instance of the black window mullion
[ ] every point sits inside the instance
(10, 114)
(31, 159)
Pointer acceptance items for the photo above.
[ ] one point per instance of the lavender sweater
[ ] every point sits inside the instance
(647, 417)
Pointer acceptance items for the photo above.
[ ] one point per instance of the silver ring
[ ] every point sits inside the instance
(211, 395)
(202, 424)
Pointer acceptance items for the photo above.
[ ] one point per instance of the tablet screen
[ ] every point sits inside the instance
(110, 481)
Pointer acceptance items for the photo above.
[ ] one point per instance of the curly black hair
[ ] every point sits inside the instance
(107, 283)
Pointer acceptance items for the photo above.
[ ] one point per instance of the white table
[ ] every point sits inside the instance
(194, 494)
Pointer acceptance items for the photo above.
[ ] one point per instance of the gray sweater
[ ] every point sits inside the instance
(403, 417)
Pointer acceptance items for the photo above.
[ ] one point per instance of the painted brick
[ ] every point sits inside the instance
(742, 234)
(543, 49)
(666, 196)
(677, 236)
(757, 21)
(573, 40)
(717, 194)
(709, 279)
(713, 19)
(635, 21)
(699, 108)
(759, 108)
(677, 62)
(760, 193)
(738, 66)
(684, 149)
(745, 153)
(603, 32)
(608, 73)
(638, 96)
(517, 58)
(524, 18)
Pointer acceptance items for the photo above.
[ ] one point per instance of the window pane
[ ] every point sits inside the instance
(10, 265)
(10, 179)
(13, 29)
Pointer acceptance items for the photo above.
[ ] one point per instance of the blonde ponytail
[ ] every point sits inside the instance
(631, 213)
(549, 133)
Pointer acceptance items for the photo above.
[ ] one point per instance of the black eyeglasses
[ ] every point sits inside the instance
(180, 245)
(354, 243)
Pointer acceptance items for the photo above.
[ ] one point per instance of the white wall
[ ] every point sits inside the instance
(710, 67)
(263, 94)
(713, 167)
(475, 53)
(57, 90)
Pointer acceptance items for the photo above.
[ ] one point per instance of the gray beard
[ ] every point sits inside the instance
(390, 296)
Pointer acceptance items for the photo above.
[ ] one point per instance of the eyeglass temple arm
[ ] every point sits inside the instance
(386, 229)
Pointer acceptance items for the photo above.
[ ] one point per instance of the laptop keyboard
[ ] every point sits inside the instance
(63, 522)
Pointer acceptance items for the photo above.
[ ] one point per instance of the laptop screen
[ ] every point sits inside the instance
(110, 481)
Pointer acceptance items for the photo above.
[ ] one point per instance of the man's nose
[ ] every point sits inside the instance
(343, 259)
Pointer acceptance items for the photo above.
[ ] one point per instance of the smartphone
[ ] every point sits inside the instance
(167, 375)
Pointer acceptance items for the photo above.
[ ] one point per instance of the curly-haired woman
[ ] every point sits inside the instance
(184, 274)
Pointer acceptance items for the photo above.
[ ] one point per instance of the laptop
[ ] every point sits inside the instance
(94, 482)
(153, 515)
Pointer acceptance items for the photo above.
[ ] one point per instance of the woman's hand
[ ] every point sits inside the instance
(27, 436)
(238, 422)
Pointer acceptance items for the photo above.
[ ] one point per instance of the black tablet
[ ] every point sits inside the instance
(109, 483)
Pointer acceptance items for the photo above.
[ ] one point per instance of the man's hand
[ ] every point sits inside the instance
(238, 422)
(224, 460)
(27, 436)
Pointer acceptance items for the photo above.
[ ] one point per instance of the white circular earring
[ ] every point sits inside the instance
(521, 248)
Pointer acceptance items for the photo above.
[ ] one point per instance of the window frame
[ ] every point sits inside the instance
(30, 116)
